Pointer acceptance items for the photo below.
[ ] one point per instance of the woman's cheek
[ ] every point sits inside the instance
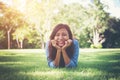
(67, 37)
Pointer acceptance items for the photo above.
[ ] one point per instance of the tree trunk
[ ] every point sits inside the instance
(95, 37)
(8, 34)
(18, 44)
(43, 46)
(21, 44)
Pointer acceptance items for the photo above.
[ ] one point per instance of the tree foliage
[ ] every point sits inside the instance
(31, 27)
(112, 34)
(11, 19)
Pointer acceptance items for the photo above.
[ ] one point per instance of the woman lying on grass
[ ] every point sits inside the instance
(62, 50)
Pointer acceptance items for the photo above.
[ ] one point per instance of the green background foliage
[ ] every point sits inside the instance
(31, 27)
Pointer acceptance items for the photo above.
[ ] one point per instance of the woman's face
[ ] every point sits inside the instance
(61, 36)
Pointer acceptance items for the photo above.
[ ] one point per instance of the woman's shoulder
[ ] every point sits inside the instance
(75, 42)
(47, 43)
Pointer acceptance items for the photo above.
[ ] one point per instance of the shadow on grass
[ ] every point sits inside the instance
(106, 63)
(29, 67)
(11, 70)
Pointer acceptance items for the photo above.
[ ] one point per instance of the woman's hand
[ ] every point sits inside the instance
(54, 44)
(67, 44)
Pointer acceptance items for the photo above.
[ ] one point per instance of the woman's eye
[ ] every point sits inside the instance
(61, 34)
(57, 35)
(64, 34)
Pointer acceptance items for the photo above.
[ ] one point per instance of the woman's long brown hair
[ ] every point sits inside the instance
(52, 50)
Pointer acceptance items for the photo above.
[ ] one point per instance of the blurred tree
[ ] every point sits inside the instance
(2, 35)
(98, 24)
(20, 34)
(112, 34)
(10, 19)
(87, 23)
(40, 13)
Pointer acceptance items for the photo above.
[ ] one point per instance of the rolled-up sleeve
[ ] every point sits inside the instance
(50, 62)
(74, 59)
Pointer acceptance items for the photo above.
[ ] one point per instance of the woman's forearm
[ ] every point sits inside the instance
(65, 56)
(57, 58)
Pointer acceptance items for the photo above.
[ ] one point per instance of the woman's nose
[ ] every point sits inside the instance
(60, 37)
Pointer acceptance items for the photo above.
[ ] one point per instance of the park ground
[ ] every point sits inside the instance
(31, 64)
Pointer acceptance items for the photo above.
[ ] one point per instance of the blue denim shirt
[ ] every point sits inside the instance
(74, 59)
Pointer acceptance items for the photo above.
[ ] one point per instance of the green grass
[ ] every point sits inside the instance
(31, 64)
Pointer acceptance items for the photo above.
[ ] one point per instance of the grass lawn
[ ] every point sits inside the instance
(31, 64)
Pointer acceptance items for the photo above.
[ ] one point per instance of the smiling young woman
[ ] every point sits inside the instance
(62, 50)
